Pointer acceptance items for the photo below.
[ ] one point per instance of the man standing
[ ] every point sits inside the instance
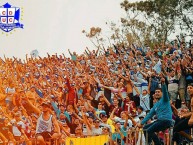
(71, 93)
(163, 111)
(45, 124)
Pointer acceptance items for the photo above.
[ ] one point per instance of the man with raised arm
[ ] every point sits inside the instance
(47, 126)
(163, 111)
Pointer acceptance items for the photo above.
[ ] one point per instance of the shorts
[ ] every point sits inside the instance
(173, 95)
(46, 135)
(17, 138)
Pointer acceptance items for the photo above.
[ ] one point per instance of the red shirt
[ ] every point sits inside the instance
(117, 112)
(71, 93)
(129, 106)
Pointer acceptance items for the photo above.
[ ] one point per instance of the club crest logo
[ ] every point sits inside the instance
(9, 18)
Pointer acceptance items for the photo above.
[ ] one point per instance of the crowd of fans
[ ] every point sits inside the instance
(91, 94)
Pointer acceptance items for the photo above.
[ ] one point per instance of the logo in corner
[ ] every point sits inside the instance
(9, 18)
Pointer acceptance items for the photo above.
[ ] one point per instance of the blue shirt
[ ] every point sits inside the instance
(162, 109)
(58, 112)
(117, 137)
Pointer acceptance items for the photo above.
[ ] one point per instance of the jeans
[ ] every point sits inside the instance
(156, 126)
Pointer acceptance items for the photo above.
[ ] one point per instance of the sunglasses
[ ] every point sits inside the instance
(105, 116)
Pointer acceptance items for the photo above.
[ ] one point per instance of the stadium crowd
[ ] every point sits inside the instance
(93, 94)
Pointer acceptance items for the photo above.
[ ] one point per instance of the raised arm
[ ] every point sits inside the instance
(135, 88)
(78, 117)
(126, 121)
(86, 121)
(87, 53)
(89, 105)
(4, 139)
(97, 51)
(164, 91)
(56, 109)
(106, 87)
(105, 99)
(5, 58)
(175, 110)
(69, 52)
(126, 79)
(88, 50)
(149, 86)
(112, 114)
(62, 128)
(35, 109)
(75, 106)
(120, 95)
(144, 74)
(132, 120)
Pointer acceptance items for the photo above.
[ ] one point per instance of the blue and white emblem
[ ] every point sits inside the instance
(9, 18)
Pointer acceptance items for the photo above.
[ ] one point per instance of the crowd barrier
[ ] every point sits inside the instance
(133, 137)
(89, 140)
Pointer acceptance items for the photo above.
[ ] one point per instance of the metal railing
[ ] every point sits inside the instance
(31, 141)
(131, 137)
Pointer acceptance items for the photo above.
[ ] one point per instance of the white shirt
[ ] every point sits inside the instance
(122, 121)
(96, 131)
(172, 85)
(102, 125)
(16, 131)
(44, 125)
(144, 102)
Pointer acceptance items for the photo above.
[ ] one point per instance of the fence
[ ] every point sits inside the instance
(131, 137)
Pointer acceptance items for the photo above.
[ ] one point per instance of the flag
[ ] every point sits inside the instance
(157, 67)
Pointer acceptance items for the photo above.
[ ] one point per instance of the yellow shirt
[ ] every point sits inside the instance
(110, 122)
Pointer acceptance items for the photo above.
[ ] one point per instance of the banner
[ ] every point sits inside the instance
(90, 140)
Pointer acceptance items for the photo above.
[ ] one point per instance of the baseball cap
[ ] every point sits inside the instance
(102, 114)
(90, 115)
(117, 122)
(32, 87)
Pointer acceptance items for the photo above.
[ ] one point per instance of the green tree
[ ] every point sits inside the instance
(159, 18)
